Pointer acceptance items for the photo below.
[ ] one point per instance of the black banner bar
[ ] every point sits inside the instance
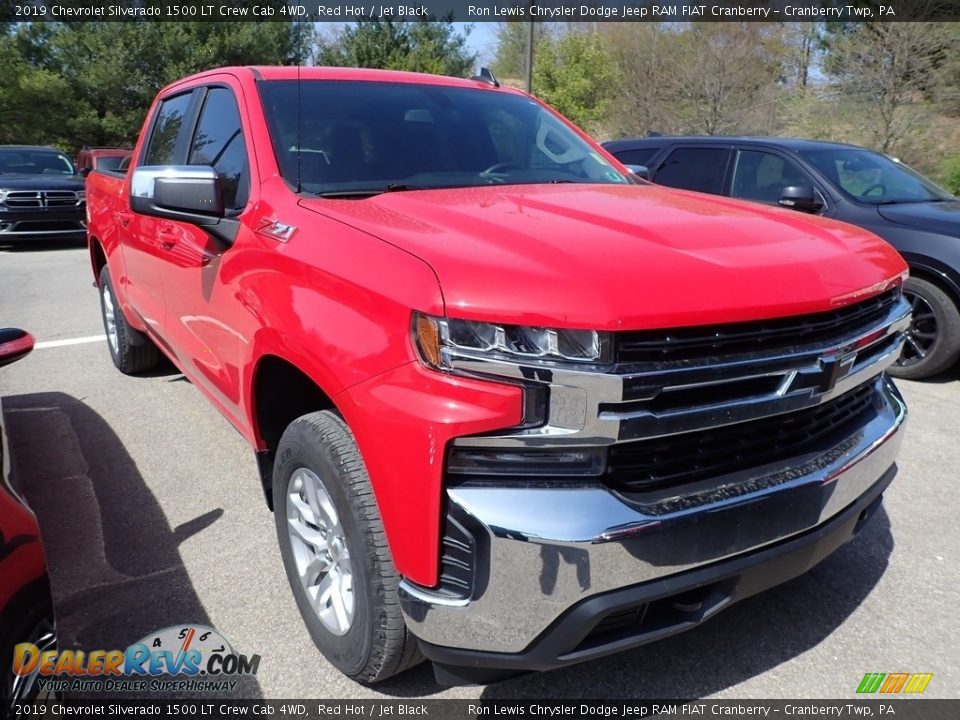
(480, 10)
(895, 708)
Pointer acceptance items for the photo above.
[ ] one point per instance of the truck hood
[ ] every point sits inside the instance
(614, 257)
(40, 182)
(941, 217)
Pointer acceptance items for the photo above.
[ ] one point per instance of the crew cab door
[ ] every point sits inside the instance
(201, 302)
(143, 254)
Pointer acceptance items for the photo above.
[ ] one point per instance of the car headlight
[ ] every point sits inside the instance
(437, 339)
(3, 196)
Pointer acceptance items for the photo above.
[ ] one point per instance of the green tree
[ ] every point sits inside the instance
(510, 57)
(427, 46)
(95, 80)
(576, 75)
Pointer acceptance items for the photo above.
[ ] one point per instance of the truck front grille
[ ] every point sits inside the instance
(677, 459)
(685, 406)
(697, 343)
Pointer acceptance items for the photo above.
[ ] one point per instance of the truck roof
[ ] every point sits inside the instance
(292, 72)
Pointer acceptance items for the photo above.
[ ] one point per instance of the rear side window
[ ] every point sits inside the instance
(166, 130)
(700, 169)
(218, 142)
(640, 156)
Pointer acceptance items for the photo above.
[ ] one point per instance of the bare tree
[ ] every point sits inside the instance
(890, 69)
(707, 78)
(802, 45)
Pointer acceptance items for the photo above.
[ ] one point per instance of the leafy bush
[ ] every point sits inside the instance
(950, 174)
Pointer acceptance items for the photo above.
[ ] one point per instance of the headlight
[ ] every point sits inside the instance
(3, 196)
(439, 338)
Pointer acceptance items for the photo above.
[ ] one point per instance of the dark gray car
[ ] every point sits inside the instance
(41, 195)
(844, 182)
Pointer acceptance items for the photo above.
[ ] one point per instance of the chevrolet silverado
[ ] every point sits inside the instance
(512, 407)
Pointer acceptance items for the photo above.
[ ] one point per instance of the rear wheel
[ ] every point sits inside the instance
(933, 338)
(131, 351)
(335, 551)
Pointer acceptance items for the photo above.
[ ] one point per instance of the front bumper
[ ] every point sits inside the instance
(556, 564)
(39, 223)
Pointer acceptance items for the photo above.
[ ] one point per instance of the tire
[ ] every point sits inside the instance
(933, 339)
(131, 351)
(373, 643)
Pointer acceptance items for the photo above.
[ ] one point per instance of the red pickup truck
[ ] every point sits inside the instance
(513, 408)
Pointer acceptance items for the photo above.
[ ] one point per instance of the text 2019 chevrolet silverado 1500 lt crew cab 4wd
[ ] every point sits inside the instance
(511, 410)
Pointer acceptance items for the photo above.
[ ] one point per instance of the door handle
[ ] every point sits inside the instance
(167, 236)
(124, 219)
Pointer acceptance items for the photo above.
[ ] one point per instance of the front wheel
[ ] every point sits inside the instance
(335, 551)
(933, 338)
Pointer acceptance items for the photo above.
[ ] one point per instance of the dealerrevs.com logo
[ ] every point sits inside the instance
(182, 658)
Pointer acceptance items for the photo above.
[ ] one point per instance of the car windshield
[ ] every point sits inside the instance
(363, 138)
(872, 178)
(19, 161)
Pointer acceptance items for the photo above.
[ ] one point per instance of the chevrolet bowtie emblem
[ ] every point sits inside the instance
(834, 369)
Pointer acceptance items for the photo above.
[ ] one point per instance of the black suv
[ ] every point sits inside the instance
(845, 182)
(41, 195)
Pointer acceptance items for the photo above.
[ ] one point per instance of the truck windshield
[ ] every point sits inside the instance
(364, 138)
(21, 161)
(870, 177)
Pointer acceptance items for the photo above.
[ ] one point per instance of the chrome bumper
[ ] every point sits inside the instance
(548, 549)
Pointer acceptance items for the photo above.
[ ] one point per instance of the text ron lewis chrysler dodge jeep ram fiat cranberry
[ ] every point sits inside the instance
(511, 409)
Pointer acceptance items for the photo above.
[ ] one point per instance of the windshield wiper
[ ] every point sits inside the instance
(368, 192)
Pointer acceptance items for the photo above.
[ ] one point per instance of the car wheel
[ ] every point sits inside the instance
(335, 551)
(933, 338)
(131, 351)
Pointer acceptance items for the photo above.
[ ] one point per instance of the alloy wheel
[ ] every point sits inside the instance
(320, 551)
(110, 319)
(922, 333)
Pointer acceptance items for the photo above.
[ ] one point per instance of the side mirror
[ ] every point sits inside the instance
(187, 193)
(84, 171)
(14, 344)
(641, 171)
(799, 197)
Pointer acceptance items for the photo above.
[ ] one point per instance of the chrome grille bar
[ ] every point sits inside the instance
(597, 408)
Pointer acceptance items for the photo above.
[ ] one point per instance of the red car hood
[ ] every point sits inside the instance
(614, 257)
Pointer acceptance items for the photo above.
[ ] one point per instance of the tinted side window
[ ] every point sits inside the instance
(699, 169)
(166, 129)
(218, 142)
(762, 175)
(640, 156)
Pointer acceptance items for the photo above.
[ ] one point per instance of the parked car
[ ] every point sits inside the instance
(839, 181)
(511, 410)
(41, 195)
(26, 603)
(101, 159)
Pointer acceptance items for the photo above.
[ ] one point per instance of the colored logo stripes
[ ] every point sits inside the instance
(894, 683)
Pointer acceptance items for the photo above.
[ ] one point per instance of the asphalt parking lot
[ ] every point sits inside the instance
(152, 516)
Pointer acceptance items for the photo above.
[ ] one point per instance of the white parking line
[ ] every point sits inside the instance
(70, 341)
